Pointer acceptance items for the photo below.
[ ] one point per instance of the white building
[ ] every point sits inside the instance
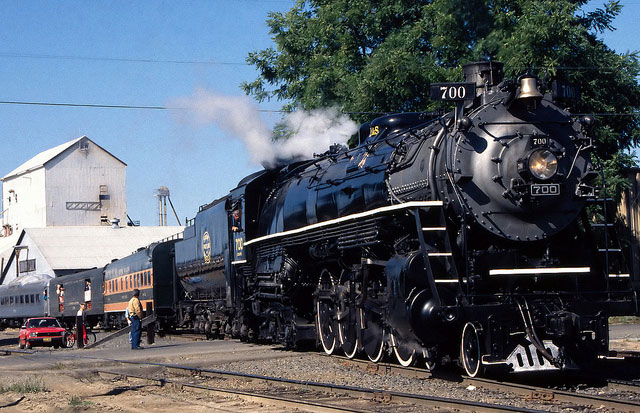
(57, 251)
(76, 183)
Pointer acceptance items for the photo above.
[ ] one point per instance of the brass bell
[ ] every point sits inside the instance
(529, 88)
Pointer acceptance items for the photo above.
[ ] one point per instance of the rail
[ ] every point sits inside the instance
(334, 389)
(527, 391)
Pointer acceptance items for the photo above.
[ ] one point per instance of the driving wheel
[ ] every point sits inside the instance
(326, 313)
(405, 353)
(373, 333)
(470, 350)
(348, 319)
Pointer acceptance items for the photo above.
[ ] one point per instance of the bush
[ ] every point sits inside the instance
(30, 385)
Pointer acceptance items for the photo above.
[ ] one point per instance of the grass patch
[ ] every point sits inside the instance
(30, 385)
(624, 320)
(76, 401)
(60, 366)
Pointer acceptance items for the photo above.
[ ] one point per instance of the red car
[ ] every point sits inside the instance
(41, 331)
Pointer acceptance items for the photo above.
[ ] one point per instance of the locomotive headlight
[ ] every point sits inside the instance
(543, 164)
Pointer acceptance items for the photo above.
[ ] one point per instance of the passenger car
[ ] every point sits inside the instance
(41, 331)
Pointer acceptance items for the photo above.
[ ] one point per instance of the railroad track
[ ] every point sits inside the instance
(341, 395)
(307, 395)
(7, 352)
(287, 393)
(526, 391)
(624, 354)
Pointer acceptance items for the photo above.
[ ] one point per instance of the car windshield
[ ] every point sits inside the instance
(44, 322)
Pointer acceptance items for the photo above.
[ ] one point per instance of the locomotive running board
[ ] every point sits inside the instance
(539, 271)
(373, 212)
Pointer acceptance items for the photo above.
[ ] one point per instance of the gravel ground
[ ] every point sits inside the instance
(71, 386)
(313, 367)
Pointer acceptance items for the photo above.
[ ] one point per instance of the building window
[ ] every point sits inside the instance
(27, 265)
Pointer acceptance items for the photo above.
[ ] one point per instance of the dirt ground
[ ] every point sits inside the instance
(61, 383)
(53, 380)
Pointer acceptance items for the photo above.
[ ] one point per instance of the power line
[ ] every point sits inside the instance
(606, 69)
(82, 105)
(103, 106)
(119, 59)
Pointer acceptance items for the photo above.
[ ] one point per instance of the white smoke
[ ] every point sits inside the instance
(239, 117)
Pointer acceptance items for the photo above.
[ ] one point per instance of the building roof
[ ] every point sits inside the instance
(43, 158)
(85, 247)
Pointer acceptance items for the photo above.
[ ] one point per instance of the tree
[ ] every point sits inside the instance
(379, 56)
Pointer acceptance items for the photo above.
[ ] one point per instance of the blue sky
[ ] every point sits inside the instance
(198, 163)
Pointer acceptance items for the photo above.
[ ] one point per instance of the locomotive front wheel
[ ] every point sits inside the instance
(324, 322)
(470, 350)
(405, 354)
(372, 334)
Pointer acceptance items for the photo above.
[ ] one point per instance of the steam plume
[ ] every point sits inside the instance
(239, 117)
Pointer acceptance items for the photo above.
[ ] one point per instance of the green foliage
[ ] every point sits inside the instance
(369, 57)
(613, 169)
(30, 385)
(378, 56)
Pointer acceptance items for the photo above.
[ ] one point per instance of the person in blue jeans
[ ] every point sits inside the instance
(126, 316)
(135, 315)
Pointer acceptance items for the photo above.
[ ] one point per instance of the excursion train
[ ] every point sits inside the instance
(105, 292)
(463, 236)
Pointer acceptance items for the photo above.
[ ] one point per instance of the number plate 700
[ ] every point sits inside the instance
(545, 189)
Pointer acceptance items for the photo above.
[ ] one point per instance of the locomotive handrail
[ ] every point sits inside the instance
(389, 208)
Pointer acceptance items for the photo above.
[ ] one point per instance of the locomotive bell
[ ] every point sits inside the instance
(529, 88)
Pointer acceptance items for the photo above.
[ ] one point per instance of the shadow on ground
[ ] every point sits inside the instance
(9, 341)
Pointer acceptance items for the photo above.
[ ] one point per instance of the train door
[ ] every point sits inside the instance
(87, 293)
(165, 286)
(46, 302)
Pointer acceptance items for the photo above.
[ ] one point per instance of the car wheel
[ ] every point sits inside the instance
(20, 344)
(56, 346)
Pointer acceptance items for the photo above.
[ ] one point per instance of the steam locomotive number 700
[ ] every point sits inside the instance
(545, 189)
(453, 91)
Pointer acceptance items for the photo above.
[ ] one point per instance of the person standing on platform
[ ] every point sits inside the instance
(80, 314)
(135, 315)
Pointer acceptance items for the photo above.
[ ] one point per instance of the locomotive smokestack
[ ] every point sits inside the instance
(484, 75)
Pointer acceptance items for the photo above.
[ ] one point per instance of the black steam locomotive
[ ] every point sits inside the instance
(462, 235)
(437, 236)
